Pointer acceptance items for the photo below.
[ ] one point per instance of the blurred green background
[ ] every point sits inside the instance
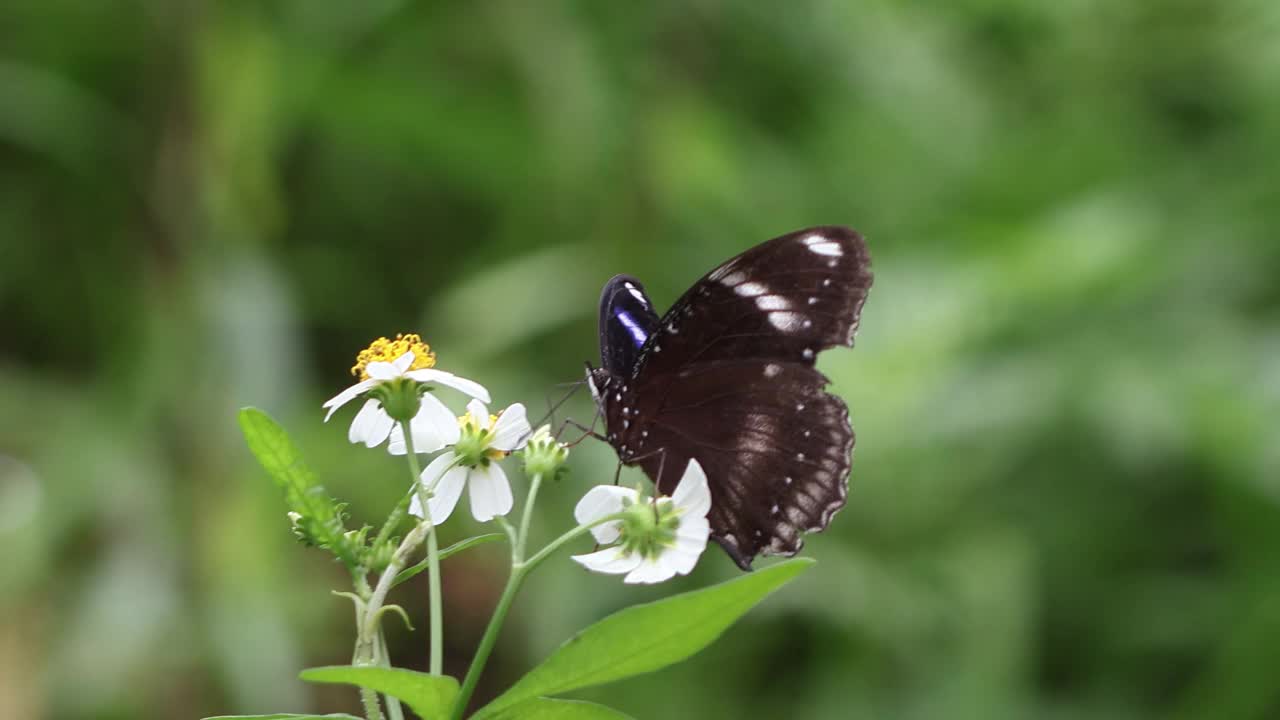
(1066, 496)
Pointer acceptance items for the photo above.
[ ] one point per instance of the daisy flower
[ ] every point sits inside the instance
(658, 538)
(397, 376)
(471, 462)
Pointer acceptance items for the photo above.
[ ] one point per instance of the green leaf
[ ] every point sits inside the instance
(548, 709)
(430, 696)
(647, 637)
(320, 523)
(454, 549)
(285, 716)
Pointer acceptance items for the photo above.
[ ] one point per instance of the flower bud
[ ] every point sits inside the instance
(544, 456)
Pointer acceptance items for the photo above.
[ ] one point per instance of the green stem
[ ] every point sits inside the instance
(559, 542)
(366, 649)
(487, 641)
(434, 597)
(372, 711)
(528, 514)
(436, 666)
(519, 570)
(384, 660)
(368, 698)
(397, 514)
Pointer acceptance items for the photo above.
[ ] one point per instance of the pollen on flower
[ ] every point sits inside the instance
(466, 422)
(384, 350)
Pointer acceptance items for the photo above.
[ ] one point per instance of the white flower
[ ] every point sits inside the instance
(659, 538)
(484, 439)
(433, 425)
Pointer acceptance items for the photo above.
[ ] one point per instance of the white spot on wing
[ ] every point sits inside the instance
(786, 321)
(772, 302)
(771, 370)
(733, 278)
(751, 289)
(826, 248)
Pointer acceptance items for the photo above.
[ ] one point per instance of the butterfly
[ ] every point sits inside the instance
(727, 377)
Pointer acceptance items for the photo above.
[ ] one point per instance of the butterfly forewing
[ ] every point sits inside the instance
(786, 299)
(727, 377)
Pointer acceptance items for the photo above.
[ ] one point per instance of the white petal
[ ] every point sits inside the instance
(479, 413)
(512, 430)
(345, 397)
(681, 563)
(443, 462)
(433, 427)
(606, 533)
(649, 572)
(490, 492)
(691, 541)
(693, 529)
(371, 426)
(609, 560)
(403, 362)
(600, 501)
(445, 489)
(429, 375)
(381, 371)
(692, 494)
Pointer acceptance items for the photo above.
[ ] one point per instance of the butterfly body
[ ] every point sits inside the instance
(727, 376)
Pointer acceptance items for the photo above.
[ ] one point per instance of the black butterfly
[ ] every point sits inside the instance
(727, 377)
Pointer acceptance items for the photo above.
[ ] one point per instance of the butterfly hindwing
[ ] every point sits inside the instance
(776, 453)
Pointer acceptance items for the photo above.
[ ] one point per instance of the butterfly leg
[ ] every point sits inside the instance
(586, 431)
(553, 407)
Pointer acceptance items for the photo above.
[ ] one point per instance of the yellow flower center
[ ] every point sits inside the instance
(475, 439)
(384, 350)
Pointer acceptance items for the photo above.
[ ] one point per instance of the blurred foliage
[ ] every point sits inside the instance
(1066, 496)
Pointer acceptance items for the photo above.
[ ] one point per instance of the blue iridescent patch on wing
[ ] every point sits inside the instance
(637, 332)
(626, 322)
